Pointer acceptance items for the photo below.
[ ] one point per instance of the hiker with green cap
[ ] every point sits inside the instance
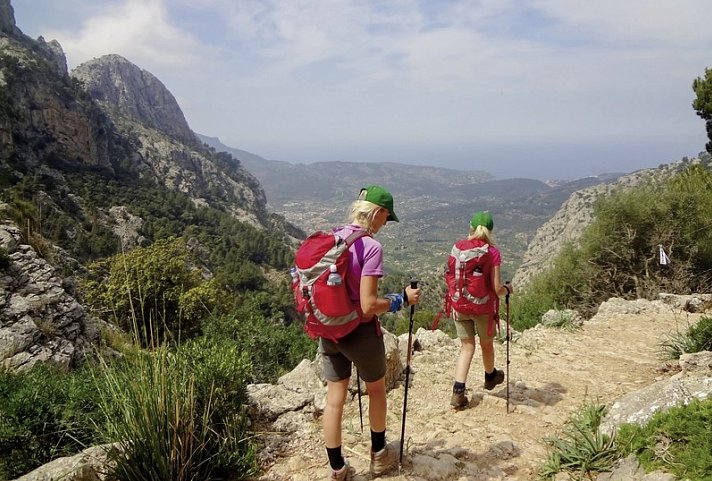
(363, 347)
(474, 285)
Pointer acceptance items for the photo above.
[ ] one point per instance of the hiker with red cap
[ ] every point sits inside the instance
(344, 342)
(474, 285)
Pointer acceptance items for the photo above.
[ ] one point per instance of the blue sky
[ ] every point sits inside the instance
(540, 89)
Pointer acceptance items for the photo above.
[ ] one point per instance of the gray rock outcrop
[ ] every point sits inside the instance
(694, 381)
(39, 321)
(55, 54)
(628, 469)
(89, 465)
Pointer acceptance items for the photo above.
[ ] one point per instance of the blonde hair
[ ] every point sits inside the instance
(363, 212)
(483, 233)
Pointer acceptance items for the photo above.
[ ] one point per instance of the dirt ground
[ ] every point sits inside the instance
(552, 373)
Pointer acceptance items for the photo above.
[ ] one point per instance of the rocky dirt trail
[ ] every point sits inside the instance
(553, 373)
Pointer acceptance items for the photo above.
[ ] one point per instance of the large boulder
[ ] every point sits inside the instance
(89, 465)
(694, 381)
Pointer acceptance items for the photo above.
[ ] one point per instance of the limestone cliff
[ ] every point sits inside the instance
(41, 117)
(7, 18)
(146, 113)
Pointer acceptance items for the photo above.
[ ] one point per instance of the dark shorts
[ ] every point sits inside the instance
(363, 348)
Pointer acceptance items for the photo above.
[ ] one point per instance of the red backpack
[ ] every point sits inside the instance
(469, 279)
(319, 282)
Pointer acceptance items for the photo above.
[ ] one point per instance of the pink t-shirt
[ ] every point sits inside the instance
(496, 256)
(365, 257)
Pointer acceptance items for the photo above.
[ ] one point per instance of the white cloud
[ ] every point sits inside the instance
(680, 23)
(298, 72)
(136, 29)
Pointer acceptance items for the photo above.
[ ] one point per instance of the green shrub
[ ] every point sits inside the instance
(527, 309)
(145, 287)
(564, 320)
(616, 255)
(581, 449)
(45, 413)
(200, 302)
(701, 335)
(564, 285)
(675, 345)
(678, 441)
(221, 372)
(274, 348)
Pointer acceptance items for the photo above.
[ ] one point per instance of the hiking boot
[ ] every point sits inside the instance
(498, 378)
(346, 473)
(458, 400)
(385, 460)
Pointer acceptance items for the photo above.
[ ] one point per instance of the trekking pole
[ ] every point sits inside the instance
(413, 285)
(358, 389)
(506, 301)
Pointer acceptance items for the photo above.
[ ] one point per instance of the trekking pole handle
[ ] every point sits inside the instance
(507, 285)
(413, 285)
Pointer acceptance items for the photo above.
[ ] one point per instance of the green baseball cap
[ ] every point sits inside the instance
(483, 218)
(379, 196)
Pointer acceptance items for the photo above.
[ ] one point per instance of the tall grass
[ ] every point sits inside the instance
(173, 419)
(152, 412)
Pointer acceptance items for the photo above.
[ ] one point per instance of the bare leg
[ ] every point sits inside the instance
(377, 404)
(487, 354)
(467, 350)
(333, 412)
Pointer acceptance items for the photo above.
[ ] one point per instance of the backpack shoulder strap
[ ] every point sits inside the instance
(356, 235)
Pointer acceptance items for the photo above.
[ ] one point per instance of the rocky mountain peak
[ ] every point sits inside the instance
(54, 53)
(136, 94)
(7, 18)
